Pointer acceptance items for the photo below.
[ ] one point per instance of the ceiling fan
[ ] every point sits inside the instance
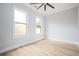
(43, 4)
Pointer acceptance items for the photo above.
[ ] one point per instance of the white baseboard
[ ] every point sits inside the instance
(57, 39)
(16, 46)
(22, 44)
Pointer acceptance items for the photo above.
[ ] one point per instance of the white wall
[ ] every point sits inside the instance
(78, 20)
(63, 26)
(7, 40)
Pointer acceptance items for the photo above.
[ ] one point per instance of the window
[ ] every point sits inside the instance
(20, 23)
(38, 25)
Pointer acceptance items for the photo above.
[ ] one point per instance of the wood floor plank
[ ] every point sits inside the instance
(45, 48)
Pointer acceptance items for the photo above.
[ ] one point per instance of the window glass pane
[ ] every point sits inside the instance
(38, 26)
(20, 16)
(20, 29)
(38, 30)
(37, 21)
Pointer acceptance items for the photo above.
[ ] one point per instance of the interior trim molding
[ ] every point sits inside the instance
(56, 39)
(3, 50)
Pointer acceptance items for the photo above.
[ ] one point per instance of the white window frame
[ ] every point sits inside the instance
(20, 22)
(39, 24)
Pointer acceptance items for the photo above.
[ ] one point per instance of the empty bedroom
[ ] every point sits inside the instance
(39, 29)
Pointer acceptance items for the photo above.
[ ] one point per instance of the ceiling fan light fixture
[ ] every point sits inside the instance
(43, 4)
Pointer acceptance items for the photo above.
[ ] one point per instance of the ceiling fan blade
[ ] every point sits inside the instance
(40, 6)
(51, 6)
(44, 7)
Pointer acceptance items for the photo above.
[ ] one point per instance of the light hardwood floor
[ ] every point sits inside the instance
(45, 48)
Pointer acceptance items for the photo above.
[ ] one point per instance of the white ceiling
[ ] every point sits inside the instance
(49, 10)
